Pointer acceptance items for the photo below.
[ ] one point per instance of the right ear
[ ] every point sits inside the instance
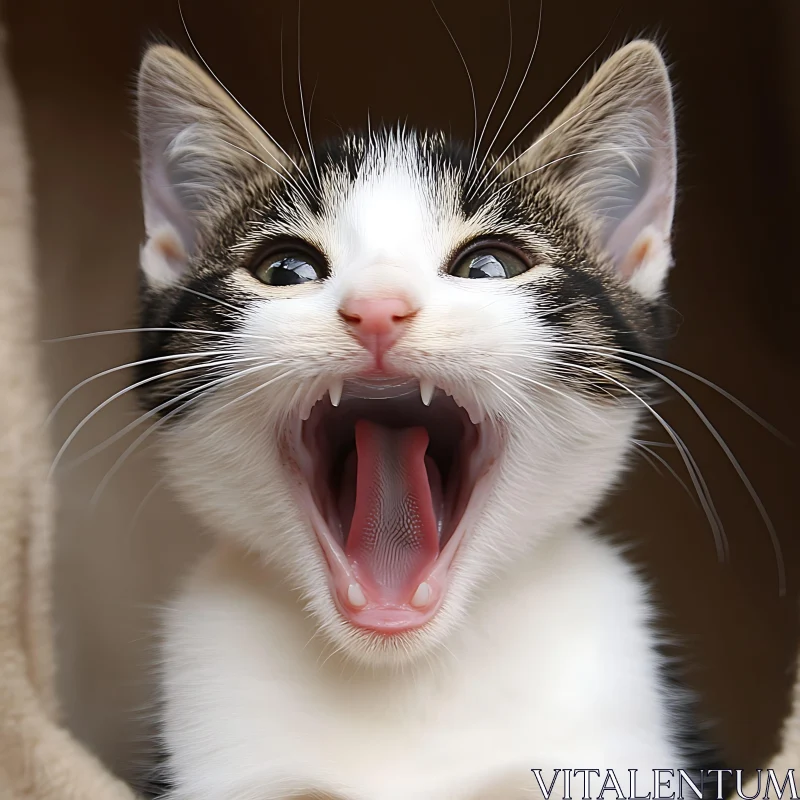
(612, 153)
(195, 144)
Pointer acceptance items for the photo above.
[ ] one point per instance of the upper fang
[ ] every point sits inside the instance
(335, 391)
(426, 389)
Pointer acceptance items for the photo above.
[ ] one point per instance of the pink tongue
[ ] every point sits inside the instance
(393, 539)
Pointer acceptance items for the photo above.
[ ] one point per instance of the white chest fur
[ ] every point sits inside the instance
(554, 669)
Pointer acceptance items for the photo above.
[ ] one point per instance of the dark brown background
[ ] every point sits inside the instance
(736, 68)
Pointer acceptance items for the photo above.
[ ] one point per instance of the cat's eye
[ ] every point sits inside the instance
(288, 268)
(489, 262)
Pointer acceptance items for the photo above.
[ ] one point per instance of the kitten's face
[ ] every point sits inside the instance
(406, 381)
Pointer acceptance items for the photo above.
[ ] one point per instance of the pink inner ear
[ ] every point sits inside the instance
(637, 255)
(638, 242)
(163, 258)
(169, 246)
(651, 209)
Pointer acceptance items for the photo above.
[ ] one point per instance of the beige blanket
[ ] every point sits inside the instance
(38, 758)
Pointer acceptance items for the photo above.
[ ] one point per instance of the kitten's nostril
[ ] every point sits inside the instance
(353, 319)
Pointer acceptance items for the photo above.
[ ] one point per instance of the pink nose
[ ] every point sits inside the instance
(377, 322)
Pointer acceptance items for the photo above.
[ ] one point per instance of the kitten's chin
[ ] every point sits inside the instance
(393, 478)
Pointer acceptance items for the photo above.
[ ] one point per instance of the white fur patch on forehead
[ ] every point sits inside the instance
(391, 217)
(402, 210)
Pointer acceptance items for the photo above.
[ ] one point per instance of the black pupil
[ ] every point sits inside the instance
(290, 270)
(486, 266)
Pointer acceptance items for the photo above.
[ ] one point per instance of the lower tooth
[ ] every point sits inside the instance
(355, 596)
(422, 596)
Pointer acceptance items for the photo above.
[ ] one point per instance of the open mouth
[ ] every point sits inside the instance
(391, 484)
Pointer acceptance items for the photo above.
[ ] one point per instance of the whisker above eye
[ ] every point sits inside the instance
(300, 90)
(252, 118)
(558, 160)
(471, 87)
(287, 177)
(477, 174)
(550, 132)
(497, 96)
(545, 106)
(283, 99)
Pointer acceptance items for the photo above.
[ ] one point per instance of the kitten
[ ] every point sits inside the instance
(389, 382)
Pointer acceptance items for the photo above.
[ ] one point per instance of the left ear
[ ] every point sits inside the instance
(613, 153)
(196, 146)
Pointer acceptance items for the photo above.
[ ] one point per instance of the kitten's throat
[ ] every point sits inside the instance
(391, 485)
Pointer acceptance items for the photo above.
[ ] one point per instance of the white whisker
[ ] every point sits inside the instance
(507, 394)
(82, 424)
(705, 381)
(300, 89)
(213, 299)
(571, 398)
(731, 458)
(138, 441)
(213, 369)
(646, 454)
(204, 331)
(497, 96)
(282, 175)
(129, 365)
(143, 502)
(692, 467)
(471, 87)
(477, 175)
(643, 446)
(550, 163)
(545, 106)
(252, 118)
